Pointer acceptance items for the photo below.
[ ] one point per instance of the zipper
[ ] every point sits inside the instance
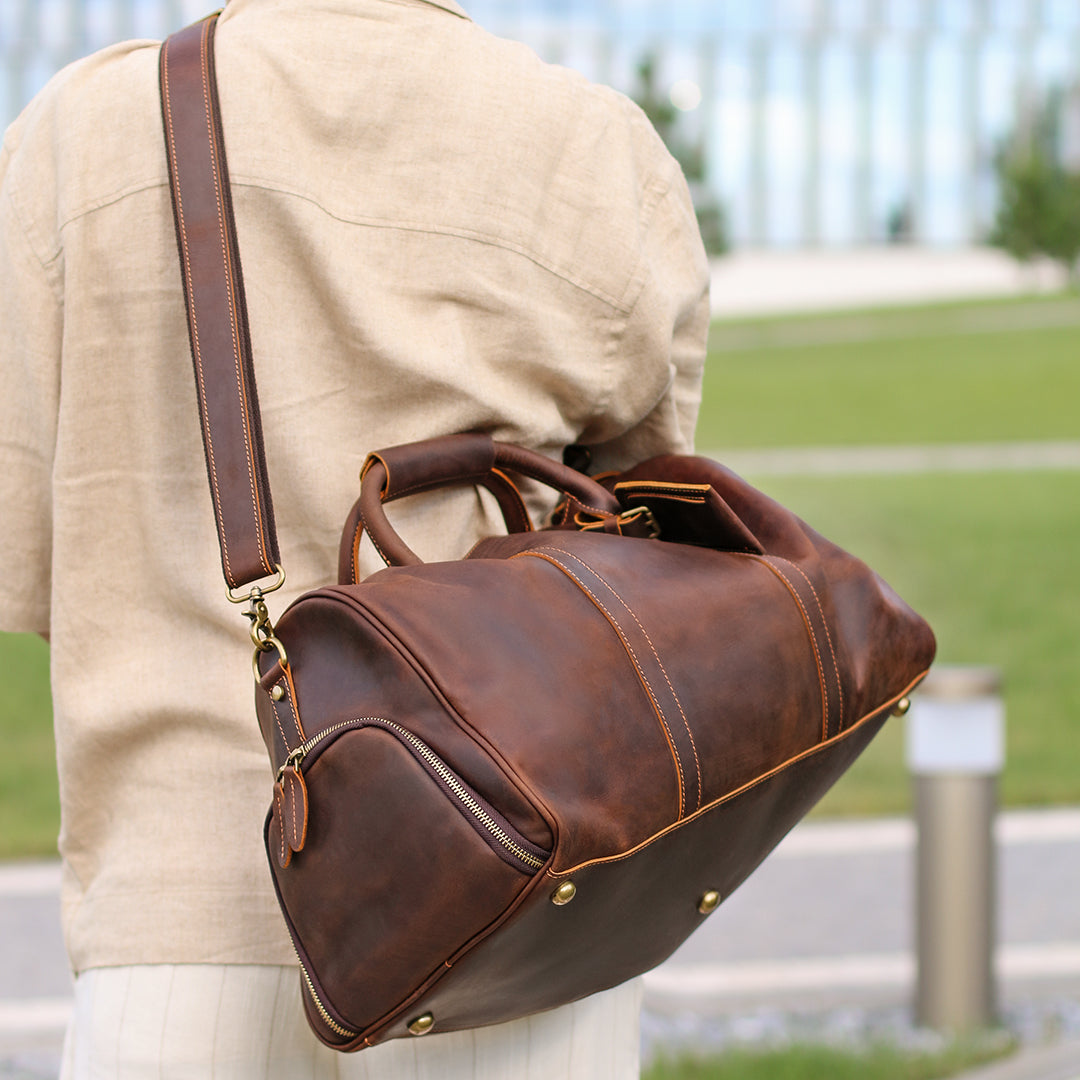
(454, 785)
(330, 1022)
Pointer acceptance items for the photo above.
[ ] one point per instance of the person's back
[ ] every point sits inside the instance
(438, 234)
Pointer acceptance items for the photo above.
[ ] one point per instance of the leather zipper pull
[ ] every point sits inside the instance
(284, 852)
(291, 812)
(295, 808)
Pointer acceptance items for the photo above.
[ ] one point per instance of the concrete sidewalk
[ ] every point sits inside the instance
(822, 931)
(817, 941)
(1057, 1062)
(818, 945)
(749, 283)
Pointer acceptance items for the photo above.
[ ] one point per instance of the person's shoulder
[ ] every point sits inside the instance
(571, 99)
(92, 131)
(584, 131)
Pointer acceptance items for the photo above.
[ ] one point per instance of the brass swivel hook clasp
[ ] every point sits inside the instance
(262, 629)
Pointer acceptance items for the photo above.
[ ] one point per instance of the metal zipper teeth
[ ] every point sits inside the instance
(465, 797)
(330, 1022)
(443, 771)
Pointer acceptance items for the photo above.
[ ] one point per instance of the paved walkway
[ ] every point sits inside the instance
(823, 929)
(748, 283)
(884, 460)
(818, 944)
(828, 917)
(824, 926)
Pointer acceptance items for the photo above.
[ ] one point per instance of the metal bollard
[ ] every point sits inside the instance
(956, 748)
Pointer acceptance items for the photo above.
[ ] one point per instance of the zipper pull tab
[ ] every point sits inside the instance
(290, 809)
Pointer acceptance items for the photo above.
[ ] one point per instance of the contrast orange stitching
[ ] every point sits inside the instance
(292, 801)
(277, 720)
(375, 543)
(782, 767)
(357, 537)
(231, 291)
(670, 496)
(828, 636)
(290, 690)
(520, 511)
(191, 314)
(539, 554)
(591, 509)
(657, 487)
(813, 641)
(656, 655)
(279, 802)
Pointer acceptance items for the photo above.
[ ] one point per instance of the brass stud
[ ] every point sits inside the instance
(564, 894)
(422, 1024)
(901, 707)
(278, 692)
(709, 902)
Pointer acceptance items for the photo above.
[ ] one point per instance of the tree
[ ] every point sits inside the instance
(1039, 194)
(712, 222)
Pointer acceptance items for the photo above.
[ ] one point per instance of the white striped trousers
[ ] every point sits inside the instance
(246, 1022)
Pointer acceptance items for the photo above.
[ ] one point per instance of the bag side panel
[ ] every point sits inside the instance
(392, 881)
(345, 666)
(631, 913)
(685, 661)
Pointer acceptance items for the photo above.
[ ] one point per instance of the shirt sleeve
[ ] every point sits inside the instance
(30, 336)
(663, 340)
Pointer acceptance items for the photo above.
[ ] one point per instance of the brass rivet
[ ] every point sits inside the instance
(422, 1024)
(709, 902)
(564, 894)
(278, 692)
(901, 707)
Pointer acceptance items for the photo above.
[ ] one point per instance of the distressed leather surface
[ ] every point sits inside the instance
(655, 713)
(214, 288)
(630, 914)
(643, 717)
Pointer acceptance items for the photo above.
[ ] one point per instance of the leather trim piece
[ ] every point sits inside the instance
(214, 299)
(782, 767)
(809, 604)
(648, 665)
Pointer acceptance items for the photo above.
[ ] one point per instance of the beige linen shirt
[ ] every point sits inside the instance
(439, 233)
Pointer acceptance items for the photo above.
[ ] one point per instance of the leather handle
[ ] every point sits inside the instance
(216, 311)
(453, 459)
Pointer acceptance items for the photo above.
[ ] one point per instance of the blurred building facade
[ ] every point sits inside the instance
(811, 122)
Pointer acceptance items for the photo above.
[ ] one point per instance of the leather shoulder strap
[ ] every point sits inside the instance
(216, 312)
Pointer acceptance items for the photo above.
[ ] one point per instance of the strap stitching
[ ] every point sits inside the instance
(289, 697)
(174, 169)
(231, 295)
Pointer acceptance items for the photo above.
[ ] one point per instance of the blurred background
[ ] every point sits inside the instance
(890, 193)
(800, 122)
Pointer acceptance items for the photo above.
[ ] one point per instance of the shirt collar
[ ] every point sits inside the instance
(447, 5)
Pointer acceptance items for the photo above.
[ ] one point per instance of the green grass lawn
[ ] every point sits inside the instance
(988, 558)
(29, 805)
(904, 379)
(821, 1062)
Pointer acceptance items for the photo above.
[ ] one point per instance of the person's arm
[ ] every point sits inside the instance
(30, 337)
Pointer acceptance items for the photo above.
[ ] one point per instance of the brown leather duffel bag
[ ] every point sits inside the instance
(507, 782)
